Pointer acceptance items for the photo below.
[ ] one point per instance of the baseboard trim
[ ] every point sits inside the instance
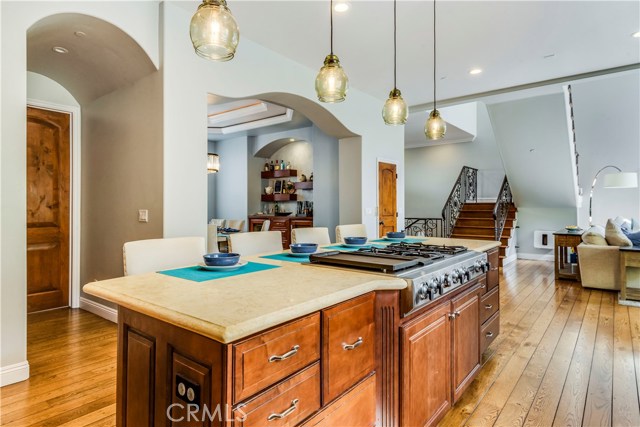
(535, 257)
(511, 258)
(14, 373)
(98, 309)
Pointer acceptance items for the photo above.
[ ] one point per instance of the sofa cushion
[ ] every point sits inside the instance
(623, 223)
(614, 235)
(594, 236)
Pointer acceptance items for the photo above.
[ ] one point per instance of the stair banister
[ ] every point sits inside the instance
(501, 208)
(464, 189)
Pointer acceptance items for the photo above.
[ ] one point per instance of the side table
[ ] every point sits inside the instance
(563, 241)
(629, 257)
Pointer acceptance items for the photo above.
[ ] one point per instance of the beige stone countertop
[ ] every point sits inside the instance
(474, 245)
(232, 308)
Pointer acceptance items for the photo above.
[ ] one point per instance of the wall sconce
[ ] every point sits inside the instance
(613, 180)
(213, 163)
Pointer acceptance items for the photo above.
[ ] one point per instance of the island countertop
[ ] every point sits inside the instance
(232, 308)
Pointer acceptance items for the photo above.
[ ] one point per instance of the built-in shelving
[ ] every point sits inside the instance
(278, 174)
(279, 197)
(306, 185)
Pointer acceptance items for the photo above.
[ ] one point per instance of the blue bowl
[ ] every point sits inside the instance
(355, 240)
(303, 248)
(222, 259)
(396, 235)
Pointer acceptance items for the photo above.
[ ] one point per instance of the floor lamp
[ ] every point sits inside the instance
(613, 180)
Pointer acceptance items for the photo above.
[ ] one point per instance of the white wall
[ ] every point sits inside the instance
(532, 218)
(211, 185)
(42, 88)
(231, 182)
(138, 19)
(432, 171)
(607, 119)
(255, 72)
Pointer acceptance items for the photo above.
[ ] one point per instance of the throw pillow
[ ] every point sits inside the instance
(635, 225)
(615, 236)
(634, 237)
(622, 222)
(594, 236)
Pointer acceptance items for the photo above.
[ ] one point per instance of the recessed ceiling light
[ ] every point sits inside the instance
(341, 7)
(475, 71)
(59, 49)
(636, 34)
(80, 33)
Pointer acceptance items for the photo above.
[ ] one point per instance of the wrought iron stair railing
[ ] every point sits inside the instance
(501, 208)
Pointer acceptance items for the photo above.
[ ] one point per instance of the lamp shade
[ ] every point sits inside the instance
(436, 127)
(332, 82)
(621, 180)
(395, 111)
(213, 163)
(214, 31)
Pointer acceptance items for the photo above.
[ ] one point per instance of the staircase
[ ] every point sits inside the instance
(475, 221)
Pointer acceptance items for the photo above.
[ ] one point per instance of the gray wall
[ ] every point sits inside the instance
(122, 162)
(432, 171)
(607, 119)
(231, 181)
(211, 184)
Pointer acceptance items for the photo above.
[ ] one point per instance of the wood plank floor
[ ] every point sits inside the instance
(565, 356)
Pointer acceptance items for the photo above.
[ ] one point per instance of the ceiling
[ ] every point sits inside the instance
(515, 43)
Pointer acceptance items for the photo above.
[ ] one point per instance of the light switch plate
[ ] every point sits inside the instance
(143, 215)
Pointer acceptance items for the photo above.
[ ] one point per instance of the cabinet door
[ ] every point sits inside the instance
(466, 340)
(493, 275)
(348, 352)
(426, 368)
(139, 369)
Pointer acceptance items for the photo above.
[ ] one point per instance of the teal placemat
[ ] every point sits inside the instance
(197, 274)
(288, 258)
(348, 249)
(405, 240)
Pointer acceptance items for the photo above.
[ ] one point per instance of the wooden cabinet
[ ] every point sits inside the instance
(493, 275)
(565, 248)
(489, 332)
(489, 304)
(348, 354)
(139, 373)
(283, 224)
(269, 357)
(426, 368)
(466, 340)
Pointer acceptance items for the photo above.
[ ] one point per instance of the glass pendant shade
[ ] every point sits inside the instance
(214, 31)
(436, 127)
(332, 82)
(395, 111)
(213, 163)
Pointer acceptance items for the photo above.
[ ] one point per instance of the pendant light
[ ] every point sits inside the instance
(395, 110)
(332, 83)
(436, 127)
(214, 31)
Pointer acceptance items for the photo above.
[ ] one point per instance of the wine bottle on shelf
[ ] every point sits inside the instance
(272, 166)
(276, 208)
(277, 167)
(288, 165)
(282, 166)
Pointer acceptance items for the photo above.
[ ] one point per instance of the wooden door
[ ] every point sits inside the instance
(426, 368)
(387, 200)
(48, 183)
(466, 340)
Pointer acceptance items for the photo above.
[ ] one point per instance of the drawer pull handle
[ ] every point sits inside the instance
(488, 306)
(285, 356)
(489, 334)
(353, 346)
(281, 415)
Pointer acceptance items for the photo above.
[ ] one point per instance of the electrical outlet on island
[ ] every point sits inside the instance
(143, 215)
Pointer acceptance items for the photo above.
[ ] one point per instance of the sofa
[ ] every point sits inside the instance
(599, 253)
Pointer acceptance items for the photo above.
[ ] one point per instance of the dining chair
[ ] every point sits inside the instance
(319, 235)
(212, 239)
(238, 224)
(350, 230)
(217, 221)
(255, 242)
(266, 225)
(145, 256)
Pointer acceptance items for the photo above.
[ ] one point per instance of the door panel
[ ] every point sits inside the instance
(387, 198)
(48, 183)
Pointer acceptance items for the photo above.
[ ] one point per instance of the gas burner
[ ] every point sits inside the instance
(444, 249)
(405, 250)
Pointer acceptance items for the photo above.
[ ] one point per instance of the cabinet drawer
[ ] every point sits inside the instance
(348, 353)
(356, 408)
(489, 304)
(489, 332)
(285, 404)
(269, 357)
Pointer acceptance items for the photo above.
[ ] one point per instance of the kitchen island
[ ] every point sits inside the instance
(283, 346)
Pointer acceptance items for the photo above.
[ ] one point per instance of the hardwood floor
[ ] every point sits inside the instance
(565, 356)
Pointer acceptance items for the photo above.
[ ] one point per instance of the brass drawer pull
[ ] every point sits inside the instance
(457, 313)
(488, 306)
(353, 346)
(489, 334)
(281, 415)
(287, 355)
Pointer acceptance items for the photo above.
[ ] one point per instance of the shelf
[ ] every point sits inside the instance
(307, 185)
(278, 174)
(279, 197)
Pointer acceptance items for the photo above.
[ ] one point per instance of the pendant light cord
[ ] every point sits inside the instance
(434, 55)
(395, 48)
(331, 15)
